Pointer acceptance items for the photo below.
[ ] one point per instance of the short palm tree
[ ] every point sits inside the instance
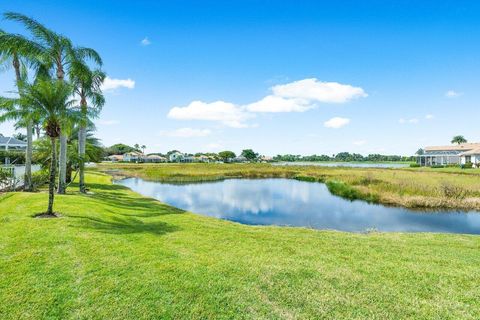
(459, 140)
(49, 100)
(21, 54)
(59, 54)
(87, 86)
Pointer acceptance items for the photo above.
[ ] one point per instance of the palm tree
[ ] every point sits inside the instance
(87, 85)
(459, 139)
(136, 146)
(59, 54)
(21, 53)
(49, 100)
(143, 148)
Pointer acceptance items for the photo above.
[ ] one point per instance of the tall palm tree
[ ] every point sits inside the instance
(87, 85)
(60, 54)
(459, 140)
(49, 100)
(143, 148)
(21, 54)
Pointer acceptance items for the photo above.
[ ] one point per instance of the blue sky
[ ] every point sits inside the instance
(277, 76)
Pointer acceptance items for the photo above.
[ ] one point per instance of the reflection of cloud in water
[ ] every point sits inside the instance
(297, 203)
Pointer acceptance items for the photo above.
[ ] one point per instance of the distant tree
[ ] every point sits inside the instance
(226, 155)
(249, 154)
(136, 146)
(20, 136)
(143, 148)
(459, 140)
(420, 152)
(118, 148)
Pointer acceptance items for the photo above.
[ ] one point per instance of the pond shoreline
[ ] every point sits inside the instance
(393, 187)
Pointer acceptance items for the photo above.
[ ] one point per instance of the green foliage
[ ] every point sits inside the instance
(40, 178)
(414, 165)
(346, 191)
(343, 157)
(250, 154)
(118, 148)
(459, 139)
(226, 155)
(467, 165)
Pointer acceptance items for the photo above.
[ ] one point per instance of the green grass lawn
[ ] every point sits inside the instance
(117, 255)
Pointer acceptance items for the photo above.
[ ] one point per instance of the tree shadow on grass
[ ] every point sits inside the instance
(124, 225)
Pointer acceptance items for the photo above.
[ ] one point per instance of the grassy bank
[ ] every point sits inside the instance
(410, 187)
(117, 255)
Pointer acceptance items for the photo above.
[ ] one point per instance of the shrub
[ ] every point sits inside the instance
(39, 178)
(414, 165)
(437, 166)
(467, 165)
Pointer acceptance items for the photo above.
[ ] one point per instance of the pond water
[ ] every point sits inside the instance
(346, 164)
(298, 203)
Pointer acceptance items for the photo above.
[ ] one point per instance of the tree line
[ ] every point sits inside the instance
(343, 157)
(58, 93)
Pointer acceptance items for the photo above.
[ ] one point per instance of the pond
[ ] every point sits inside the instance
(346, 164)
(289, 202)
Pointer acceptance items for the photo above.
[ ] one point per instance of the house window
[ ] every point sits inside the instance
(468, 158)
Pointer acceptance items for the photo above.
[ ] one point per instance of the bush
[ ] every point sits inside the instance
(414, 165)
(40, 178)
(467, 165)
(437, 166)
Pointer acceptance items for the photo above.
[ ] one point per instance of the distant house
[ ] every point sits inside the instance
(452, 154)
(11, 144)
(240, 159)
(133, 156)
(203, 158)
(266, 158)
(155, 158)
(115, 158)
(175, 156)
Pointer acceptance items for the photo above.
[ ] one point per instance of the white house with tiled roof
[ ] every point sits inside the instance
(452, 154)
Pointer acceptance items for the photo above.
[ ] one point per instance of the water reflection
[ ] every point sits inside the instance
(298, 203)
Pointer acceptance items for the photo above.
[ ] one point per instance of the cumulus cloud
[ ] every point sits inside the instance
(452, 94)
(297, 96)
(145, 42)
(186, 133)
(112, 84)
(279, 104)
(315, 90)
(336, 122)
(224, 112)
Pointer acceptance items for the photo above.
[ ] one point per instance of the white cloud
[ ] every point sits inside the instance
(224, 112)
(411, 121)
(297, 96)
(279, 104)
(108, 122)
(429, 116)
(315, 90)
(452, 94)
(359, 142)
(186, 133)
(336, 122)
(112, 84)
(145, 42)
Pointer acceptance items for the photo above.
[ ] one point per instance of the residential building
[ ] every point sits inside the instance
(452, 154)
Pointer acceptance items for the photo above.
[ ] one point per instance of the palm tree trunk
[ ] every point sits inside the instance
(81, 152)
(51, 185)
(62, 175)
(28, 186)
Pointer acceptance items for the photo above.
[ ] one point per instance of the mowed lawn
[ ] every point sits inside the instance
(117, 255)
